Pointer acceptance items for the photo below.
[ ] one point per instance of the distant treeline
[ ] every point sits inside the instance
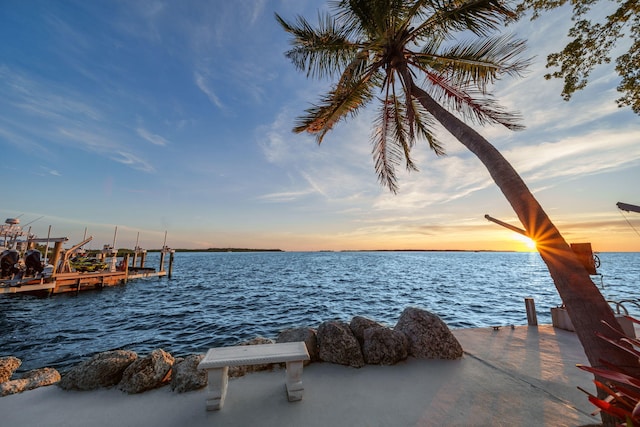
(123, 251)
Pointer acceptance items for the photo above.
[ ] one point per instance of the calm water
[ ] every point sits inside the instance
(216, 299)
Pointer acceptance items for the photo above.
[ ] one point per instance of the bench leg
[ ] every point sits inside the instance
(217, 379)
(294, 380)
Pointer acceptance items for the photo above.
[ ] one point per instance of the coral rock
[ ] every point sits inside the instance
(429, 337)
(238, 371)
(384, 346)
(102, 370)
(360, 324)
(185, 375)
(308, 335)
(30, 380)
(337, 344)
(147, 373)
(8, 366)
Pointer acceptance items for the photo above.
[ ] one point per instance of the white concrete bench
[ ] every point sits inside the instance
(218, 360)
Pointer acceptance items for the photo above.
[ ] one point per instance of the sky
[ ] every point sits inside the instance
(137, 120)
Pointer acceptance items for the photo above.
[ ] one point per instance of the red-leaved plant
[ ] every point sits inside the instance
(623, 392)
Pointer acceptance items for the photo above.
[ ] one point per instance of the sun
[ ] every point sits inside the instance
(529, 243)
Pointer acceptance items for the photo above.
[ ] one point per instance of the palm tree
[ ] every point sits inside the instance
(379, 50)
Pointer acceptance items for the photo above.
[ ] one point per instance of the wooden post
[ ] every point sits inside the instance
(56, 256)
(585, 256)
(143, 258)
(162, 254)
(532, 317)
(125, 261)
(171, 262)
(165, 249)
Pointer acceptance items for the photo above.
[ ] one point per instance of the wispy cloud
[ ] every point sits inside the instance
(580, 155)
(45, 171)
(317, 186)
(44, 99)
(64, 117)
(143, 20)
(133, 161)
(332, 171)
(288, 196)
(95, 142)
(204, 86)
(19, 136)
(152, 138)
(257, 9)
(106, 147)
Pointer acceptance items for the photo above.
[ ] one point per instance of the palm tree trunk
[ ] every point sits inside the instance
(586, 306)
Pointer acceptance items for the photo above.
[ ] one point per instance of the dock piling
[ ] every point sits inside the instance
(532, 317)
(125, 264)
(171, 254)
(162, 254)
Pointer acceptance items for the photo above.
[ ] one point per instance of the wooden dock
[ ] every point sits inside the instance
(78, 282)
(65, 282)
(22, 270)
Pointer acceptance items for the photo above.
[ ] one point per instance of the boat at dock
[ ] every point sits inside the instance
(24, 269)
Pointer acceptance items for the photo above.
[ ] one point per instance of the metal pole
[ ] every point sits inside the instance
(46, 248)
(505, 225)
(135, 251)
(114, 237)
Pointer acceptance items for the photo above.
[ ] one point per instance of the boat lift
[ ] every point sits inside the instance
(628, 207)
(65, 266)
(506, 225)
(583, 251)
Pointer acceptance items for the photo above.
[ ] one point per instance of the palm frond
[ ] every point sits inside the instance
(393, 137)
(372, 17)
(344, 99)
(360, 68)
(472, 104)
(320, 52)
(479, 62)
(386, 153)
(418, 117)
(481, 17)
(405, 115)
(424, 124)
(406, 79)
(403, 136)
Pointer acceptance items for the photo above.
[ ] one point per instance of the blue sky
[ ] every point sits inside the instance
(157, 116)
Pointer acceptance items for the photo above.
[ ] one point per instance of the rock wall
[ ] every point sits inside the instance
(418, 333)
